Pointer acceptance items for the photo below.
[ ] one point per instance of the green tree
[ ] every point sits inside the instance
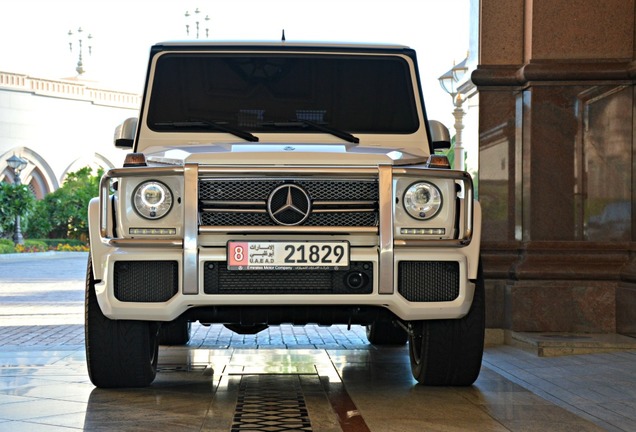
(15, 200)
(64, 213)
(40, 224)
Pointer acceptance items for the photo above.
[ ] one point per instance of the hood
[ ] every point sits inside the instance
(281, 154)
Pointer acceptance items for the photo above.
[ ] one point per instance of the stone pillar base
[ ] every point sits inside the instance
(567, 287)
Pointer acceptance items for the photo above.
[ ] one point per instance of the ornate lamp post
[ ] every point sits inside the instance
(80, 42)
(17, 164)
(449, 82)
(197, 22)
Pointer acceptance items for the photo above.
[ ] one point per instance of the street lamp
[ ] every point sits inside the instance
(17, 164)
(449, 82)
(197, 23)
(80, 42)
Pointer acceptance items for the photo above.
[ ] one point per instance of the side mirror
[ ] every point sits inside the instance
(125, 133)
(439, 135)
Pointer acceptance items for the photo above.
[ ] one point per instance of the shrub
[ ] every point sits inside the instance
(55, 243)
(70, 248)
(62, 245)
(64, 213)
(36, 244)
(6, 246)
(31, 246)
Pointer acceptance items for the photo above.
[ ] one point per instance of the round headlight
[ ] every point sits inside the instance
(152, 200)
(422, 200)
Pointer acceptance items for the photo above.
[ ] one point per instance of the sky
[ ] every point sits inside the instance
(34, 33)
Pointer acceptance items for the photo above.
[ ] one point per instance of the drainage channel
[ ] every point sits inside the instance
(270, 403)
(276, 403)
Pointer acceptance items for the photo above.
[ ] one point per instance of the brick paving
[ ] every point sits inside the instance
(284, 336)
(71, 335)
(212, 337)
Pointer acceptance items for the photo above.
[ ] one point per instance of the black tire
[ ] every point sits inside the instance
(118, 353)
(384, 332)
(449, 352)
(174, 333)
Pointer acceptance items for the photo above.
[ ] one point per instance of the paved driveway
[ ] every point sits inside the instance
(47, 289)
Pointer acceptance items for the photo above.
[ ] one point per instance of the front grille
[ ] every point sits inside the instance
(243, 202)
(146, 281)
(217, 279)
(259, 189)
(428, 281)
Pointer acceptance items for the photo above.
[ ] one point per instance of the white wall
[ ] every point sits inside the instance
(59, 127)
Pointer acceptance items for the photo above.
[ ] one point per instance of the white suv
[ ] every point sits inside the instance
(284, 183)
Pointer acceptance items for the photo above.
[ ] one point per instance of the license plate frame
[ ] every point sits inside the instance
(288, 255)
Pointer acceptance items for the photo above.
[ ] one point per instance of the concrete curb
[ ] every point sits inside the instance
(40, 255)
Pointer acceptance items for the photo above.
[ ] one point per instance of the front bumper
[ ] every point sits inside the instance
(171, 277)
(166, 301)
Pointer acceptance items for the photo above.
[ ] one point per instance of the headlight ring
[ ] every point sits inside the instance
(152, 200)
(422, 200)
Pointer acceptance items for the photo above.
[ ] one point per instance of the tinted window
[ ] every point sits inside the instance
(265, 93)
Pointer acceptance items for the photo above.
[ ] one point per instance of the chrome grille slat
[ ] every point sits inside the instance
(226, 203)
(351, 210)
(232, 210)
(280, 229)
(344, 203)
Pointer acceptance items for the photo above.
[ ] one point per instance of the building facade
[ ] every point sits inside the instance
(557, 163)
(59, 126)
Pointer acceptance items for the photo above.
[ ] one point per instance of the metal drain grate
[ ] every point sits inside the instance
(270, 403)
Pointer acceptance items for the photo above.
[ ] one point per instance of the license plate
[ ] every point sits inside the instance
(255, 255)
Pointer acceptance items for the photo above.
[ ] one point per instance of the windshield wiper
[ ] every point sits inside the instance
(211, 125)
(320, 127)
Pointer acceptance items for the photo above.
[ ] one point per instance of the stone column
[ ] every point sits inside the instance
(557, 107)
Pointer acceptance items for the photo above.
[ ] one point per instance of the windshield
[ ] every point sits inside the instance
(283, 93)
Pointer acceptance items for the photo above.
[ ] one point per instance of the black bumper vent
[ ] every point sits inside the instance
(146, 281)
(218, 279)
(428, 281)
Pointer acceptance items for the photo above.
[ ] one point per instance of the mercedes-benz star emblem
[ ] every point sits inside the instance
(289, 204)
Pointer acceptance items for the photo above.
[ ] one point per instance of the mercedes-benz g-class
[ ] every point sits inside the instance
(273, 183)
